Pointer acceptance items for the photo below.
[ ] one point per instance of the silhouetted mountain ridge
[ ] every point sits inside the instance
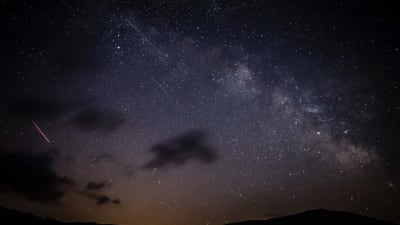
(318, 217)
(10, 217)
(312, 217)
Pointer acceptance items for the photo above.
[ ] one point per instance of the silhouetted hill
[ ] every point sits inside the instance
(318, 217)
(11, 217)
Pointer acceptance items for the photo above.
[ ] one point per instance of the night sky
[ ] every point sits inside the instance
(199, 112)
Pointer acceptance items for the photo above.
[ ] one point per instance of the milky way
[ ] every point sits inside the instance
(209, 112)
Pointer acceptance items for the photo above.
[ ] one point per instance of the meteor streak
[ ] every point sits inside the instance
(145, 38)
(159, 53)
(40, 131)
(162, 88)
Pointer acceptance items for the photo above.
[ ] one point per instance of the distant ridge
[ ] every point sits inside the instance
(318, 217)
(14, 217)
(312, 217)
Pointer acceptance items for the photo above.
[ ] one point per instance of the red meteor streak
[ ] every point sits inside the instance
(40, 131)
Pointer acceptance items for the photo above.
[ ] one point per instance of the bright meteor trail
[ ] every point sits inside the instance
(40, 131)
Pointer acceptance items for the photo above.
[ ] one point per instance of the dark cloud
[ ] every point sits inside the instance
(177, 151)
(39, 107)
(31, 175)
(102, 200)
(98, 119)
(105, 199)
(95, 185)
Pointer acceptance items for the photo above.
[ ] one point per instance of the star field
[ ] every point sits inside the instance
(199, 112)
